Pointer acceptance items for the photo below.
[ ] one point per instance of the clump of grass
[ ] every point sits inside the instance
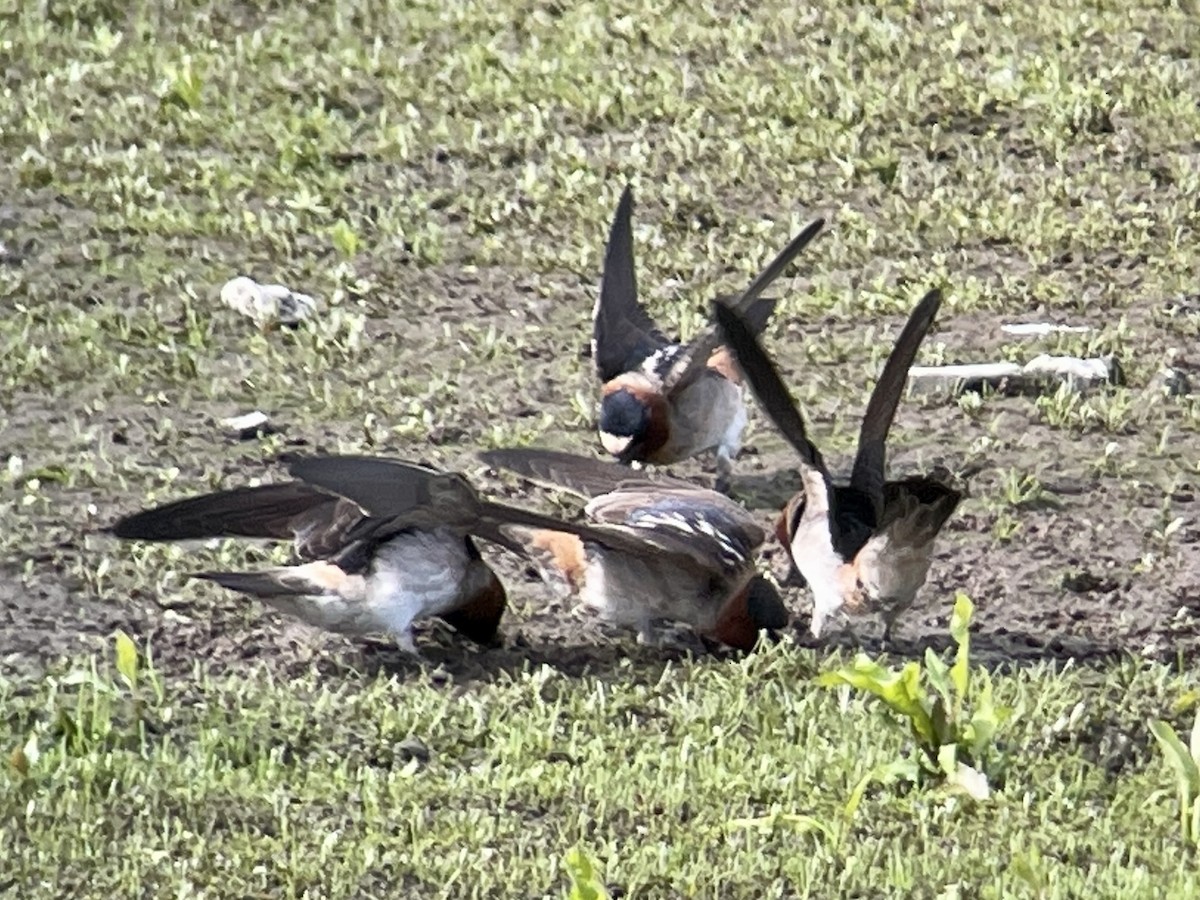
(1184, 760)
(947, 711)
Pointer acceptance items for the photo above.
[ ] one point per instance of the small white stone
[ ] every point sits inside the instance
(1078, 373)
(267, 303)
(1041, 329)
(247, 425)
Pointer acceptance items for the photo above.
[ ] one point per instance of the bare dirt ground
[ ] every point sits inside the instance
(1056, 197)
(1081, 577)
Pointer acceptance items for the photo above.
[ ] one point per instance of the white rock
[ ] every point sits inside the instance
(1076, 372)
(1011, 378)
(248, 425)
(956, 379)
(1040, 329)
(267, 304)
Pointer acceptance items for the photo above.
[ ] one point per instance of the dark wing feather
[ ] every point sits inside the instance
(581, 475)
(756, 314)
(414, 495)
(623, 335)
(290, 511)
(870, 462)
(496, 516)
(937, 502)
(403, 495)
(713, 531)
(766, 385)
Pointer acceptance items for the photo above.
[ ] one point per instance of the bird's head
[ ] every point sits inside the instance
(633, 421)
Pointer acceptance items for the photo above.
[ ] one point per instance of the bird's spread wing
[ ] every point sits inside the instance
(869, 464)
(415, 495)
(766, 385)
(580, 475)
(623, 335)
(315, 520)
(701, 525)
(755, 312)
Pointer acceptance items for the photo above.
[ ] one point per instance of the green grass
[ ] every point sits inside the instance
(441, 176)
(376, 787)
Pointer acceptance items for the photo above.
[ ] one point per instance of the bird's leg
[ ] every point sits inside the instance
(724, 480)
(889, 620)
(408, 646)
(849, 630)
(793, 578)
(648, 635)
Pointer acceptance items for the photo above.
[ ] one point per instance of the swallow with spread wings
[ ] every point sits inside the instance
(386, 543)
(662, 401)
(372, 566)
(687, 553)
(866, 546)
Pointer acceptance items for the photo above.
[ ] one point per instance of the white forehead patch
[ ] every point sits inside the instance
(615, 444)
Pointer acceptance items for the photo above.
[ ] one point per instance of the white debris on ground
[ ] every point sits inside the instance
(1041, 329)
(247, 426)
(1036, 376)
(267, 304)
(1079, 374)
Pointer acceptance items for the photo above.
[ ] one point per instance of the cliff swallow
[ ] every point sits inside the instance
(865, 546)
(374, 563)
(662, 401)
(686, 554)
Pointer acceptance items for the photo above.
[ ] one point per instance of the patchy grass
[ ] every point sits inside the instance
(694, 779)
(441, 176)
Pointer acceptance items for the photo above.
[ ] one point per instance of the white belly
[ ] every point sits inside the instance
(629, 591)
(416, 575)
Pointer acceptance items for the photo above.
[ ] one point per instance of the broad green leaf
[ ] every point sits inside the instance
(344, 238)
(1187, 701)
(960, 630)
(872, 678)
(856, 795)
(980, 733)
(127, 659)
(800, 822)
(916, 708)
(863, 669)
(1186, 775)
(901, 691)
(586, 883)
(947, 758)
(937, 671)
(1194, 741)
(1028, 867)
(1176, 753)
(985, 721)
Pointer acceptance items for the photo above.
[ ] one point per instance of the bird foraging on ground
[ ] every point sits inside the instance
(378, 565)
(866, 546)
(388, 543)
(686, 554)
(662, 401)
